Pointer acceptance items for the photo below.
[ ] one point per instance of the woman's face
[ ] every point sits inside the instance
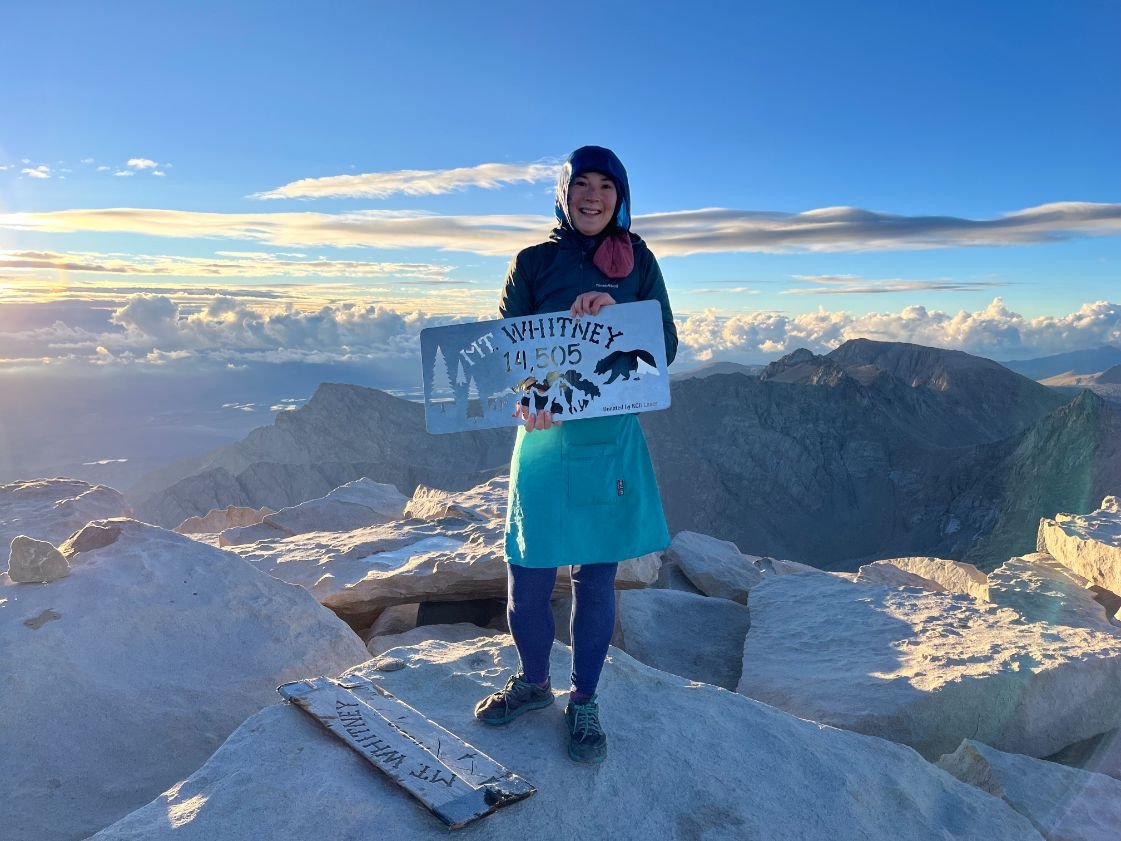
(591, 202)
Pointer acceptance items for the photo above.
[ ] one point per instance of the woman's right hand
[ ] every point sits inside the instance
(538, 420)
(590, 303)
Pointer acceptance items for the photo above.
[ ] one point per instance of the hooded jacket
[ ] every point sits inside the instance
(547, 277)
(583, 492)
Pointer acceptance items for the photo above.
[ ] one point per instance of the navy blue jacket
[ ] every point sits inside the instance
(549, 276)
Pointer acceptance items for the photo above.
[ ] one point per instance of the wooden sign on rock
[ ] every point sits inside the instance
(454, 780)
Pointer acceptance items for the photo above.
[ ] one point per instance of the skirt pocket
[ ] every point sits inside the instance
(593, 474)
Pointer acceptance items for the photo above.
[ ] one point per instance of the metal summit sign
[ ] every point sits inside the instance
(607, 364)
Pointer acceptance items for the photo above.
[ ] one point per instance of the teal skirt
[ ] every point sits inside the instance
(583, 493)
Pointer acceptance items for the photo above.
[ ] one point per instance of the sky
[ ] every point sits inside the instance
(212, 187)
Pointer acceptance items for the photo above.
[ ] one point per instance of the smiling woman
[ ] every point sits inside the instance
(584, 494)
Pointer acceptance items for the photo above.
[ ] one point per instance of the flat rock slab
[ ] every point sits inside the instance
(123, 678)
(695, 637)
(927, 669)
(53, 509)
(362, 502)
(478, 504)
(1089, 544)
(449, 558)
(952, 576)
(220, 519)
(281, 775)
(890, 575)
(719, 569)
(1041, 589)
(715, 567)
(456, 632)
(1064, 804)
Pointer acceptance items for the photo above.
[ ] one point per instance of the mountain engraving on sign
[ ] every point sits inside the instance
(475, 375)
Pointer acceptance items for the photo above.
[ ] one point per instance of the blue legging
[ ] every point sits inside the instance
(591, 624)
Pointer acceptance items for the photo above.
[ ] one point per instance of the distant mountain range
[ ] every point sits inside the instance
(871, 451)
(1068, 379)
(874, 450)
(343, 433)
(710, 368)
(1076, 362)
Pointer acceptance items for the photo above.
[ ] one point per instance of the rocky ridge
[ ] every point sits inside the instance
(341, 434)
(875, 450)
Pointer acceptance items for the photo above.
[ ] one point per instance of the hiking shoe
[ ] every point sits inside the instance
(518, 697)
(586, 740)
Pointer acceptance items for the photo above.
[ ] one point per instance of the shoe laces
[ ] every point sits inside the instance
(586, 720)
(517, 688)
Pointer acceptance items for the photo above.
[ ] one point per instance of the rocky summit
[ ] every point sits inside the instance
(726, 767)
(773, 698)
(123, 677)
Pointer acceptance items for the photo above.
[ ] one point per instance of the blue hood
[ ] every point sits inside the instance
(594, 159)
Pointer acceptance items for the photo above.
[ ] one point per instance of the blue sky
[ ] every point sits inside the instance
(934, 123)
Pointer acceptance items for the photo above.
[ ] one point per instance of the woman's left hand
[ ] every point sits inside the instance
(590, 303)
(538, 420)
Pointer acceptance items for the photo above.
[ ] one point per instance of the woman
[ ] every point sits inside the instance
(582, 494)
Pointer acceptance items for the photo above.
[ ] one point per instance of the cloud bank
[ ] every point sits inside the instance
(837, 229)
(412, 182)
(224, 264)
(157, 329)
(995, 332)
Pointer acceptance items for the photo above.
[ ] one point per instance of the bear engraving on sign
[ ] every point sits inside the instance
(623, 363)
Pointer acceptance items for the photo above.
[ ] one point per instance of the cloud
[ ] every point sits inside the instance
(141, 163)
(57, 340)
(154, 316)
(855, 285)
(88, 160)
(230, 330)
(670, 234)
(160, 173)
(41, 171)
(497, 235)
(162, 357)
(104, 168)
(124, 173)
(4, 167)
(229, 264)
(413, 182)
(852, 229)
(226, 331)
(995, 331)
